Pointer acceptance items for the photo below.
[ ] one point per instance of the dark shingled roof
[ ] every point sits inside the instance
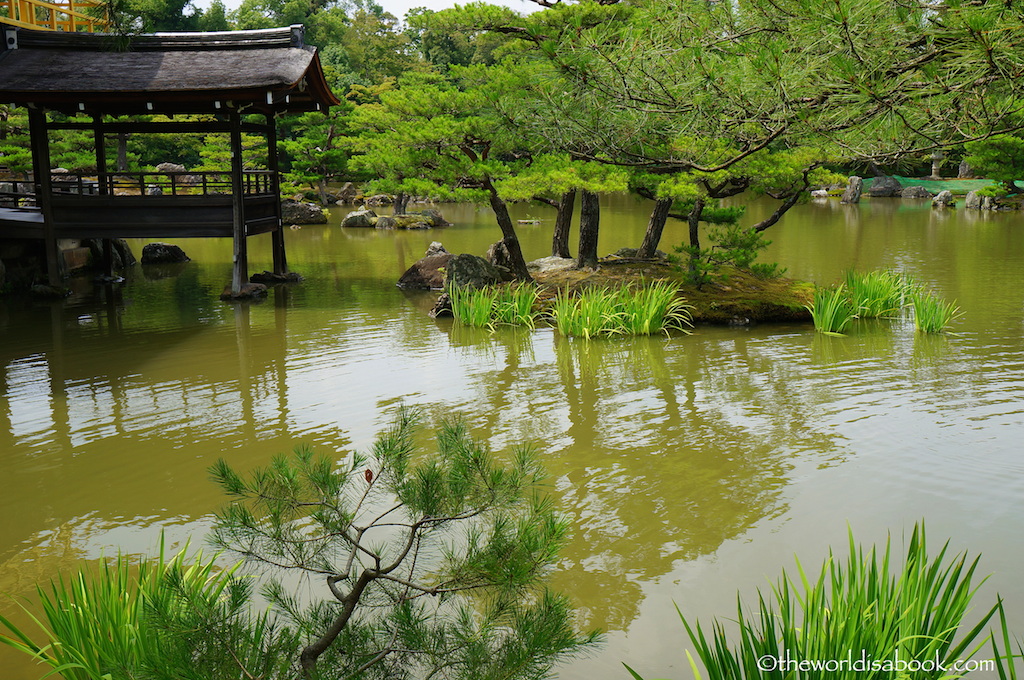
(268, 70)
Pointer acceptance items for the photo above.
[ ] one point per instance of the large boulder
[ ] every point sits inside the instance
(121, 252)
(428, 272)
(299, 212)
(434, 218)
(944, 199)
(472, 271)
(885, 187)
(360, 218)
(853, 190)
(163, 253)
(972, 201)
(402, 222)
(916, 192)
(170, 167)
(347, 193)
(964, 171)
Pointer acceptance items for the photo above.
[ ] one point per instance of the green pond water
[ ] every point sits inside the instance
(692, 467)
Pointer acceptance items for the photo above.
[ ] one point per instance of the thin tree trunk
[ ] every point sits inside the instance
(590, 222)
(563, 223)
(401, 203)
(655, 227)
(693, 219)
(516, 260)
(122, 152)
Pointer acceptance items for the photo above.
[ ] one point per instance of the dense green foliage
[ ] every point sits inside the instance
(879, 294)
(1000, 157)
(871, 610)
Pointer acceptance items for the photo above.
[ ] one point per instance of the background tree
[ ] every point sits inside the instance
(1000, 157)
(433, 564)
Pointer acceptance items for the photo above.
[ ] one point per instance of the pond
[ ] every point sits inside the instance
(692, 467)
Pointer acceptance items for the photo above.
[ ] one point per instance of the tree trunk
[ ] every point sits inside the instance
(563, 223)
(590, 222)
(312, 651)
(122, 152)
(693, 219)
(655, 227)
(516, 260)
(321, 188)
(401, 203)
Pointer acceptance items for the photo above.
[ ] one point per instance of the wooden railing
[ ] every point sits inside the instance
(21, 193)
(66, 15)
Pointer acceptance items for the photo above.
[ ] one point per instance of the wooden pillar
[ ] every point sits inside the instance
(240, 268)
(99, 144)
(40, 143)
(280, 259)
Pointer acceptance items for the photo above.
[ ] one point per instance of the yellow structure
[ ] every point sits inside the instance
(67, 15)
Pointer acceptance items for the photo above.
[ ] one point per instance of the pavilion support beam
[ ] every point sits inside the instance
(280, 258)
(40, 143)
(240, 269)
(99, 144)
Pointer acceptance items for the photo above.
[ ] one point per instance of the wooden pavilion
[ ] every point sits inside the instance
(224, 77)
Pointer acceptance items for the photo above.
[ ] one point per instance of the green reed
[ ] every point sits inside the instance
(644, 310)
(932, 314)
(493, 305)
(832, 310)
(869, 608)
(877, 294)
(94, 622)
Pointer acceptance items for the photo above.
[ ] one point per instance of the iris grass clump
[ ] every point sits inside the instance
(870, 609)
(832, 310)
(932, 314)
(493, 305)
(644, 310)
(126, 619)
(879, 294)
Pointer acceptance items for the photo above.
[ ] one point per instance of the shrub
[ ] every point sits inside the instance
(644, 310)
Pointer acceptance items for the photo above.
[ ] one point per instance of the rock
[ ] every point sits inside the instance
(250, 291)
(916, 192)
(360, 218)
(819, 193)
(434, 218)
(402, 222)
(471, 271)
(163, 253)
(154, 190)
(121, 253)
(630, 253)
(885, 187)
(347, 193)
(972, 201)
(443, 307)
(944, 199)
(170, 167)
(964, 171)
(435, 248)
(499, 256)
(428, 272)
(266, 277)
(379, 199)
(301, 212)
(853, 190)
(988, 203)
(554, 264)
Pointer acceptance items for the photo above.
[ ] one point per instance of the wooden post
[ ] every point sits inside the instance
(277, 236)
(99, 144)
(240, 270)
(39, 140)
